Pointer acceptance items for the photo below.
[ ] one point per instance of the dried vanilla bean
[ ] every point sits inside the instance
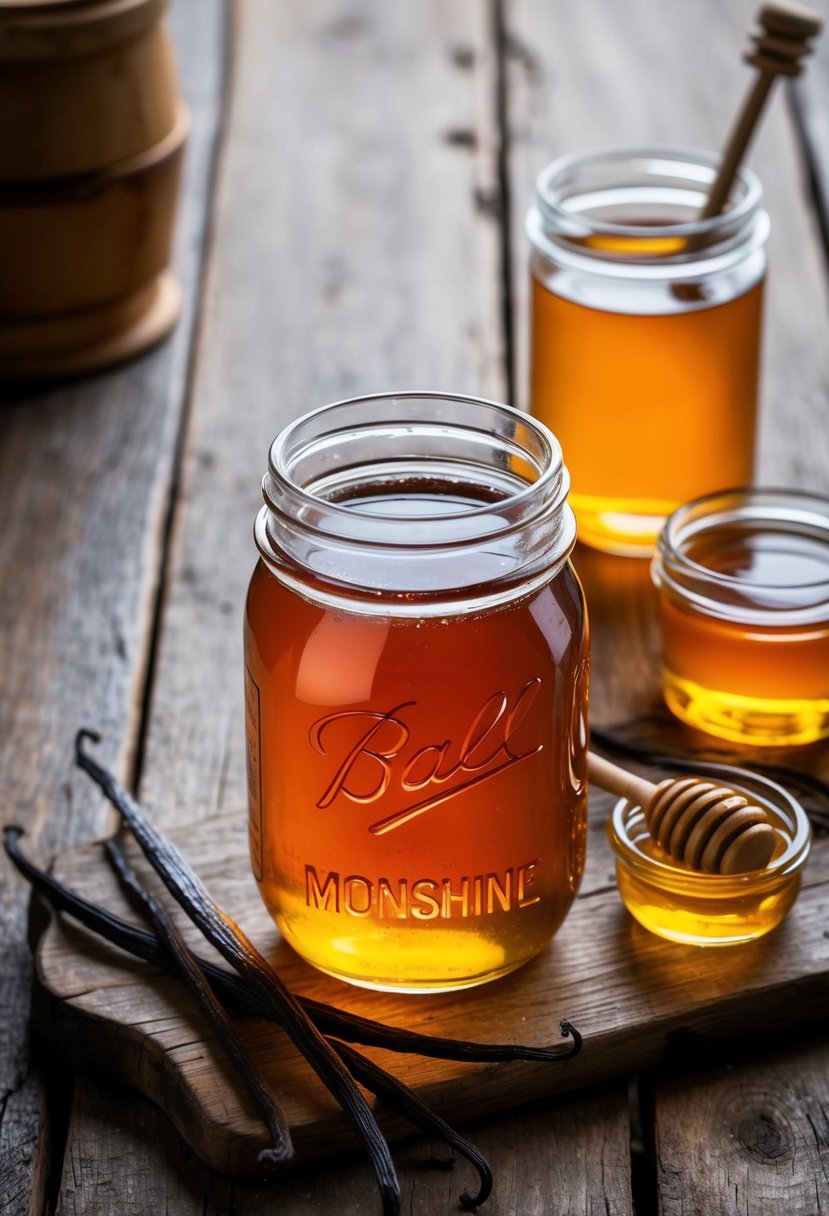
(242, 999)
(187, 967)
(384, 1085)
(238, 996)
(354, 1029)
(188, 890)
(374, 1078)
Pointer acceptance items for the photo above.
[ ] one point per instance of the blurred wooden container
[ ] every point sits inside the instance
(80, 241)
(92, 137)
(83, 84)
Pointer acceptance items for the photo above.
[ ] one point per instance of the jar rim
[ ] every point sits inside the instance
(471, 498)
(776, 798)
(555, 212)
(551, 453)
(766, 512)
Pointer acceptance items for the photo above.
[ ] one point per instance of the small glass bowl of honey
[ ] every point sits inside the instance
(700, 909)
(743, 578)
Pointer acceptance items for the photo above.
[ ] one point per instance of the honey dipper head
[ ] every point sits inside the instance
(709, 827)
(783, 38)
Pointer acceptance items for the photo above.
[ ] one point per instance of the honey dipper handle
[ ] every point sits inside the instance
(780, 44)
(610, 777)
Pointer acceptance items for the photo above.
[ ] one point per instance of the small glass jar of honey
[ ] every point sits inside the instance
(645, 333)
(416, 670)
(744, 583)
(701, 909)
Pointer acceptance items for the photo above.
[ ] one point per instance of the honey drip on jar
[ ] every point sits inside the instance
(418, 797)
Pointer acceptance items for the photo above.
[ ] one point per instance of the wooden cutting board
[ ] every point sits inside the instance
(628, 992)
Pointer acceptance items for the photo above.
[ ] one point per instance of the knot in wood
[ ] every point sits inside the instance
(764, 1135)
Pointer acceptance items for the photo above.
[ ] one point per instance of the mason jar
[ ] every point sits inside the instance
(645, 336)
(416, 672)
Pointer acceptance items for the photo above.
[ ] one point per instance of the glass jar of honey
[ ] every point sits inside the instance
(645, 333)
(744, 583)
(700, 909)
(416, 671)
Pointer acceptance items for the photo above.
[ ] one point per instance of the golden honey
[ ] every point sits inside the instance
(744, 582)
(701, 909)
(645, 335)
(416, 682)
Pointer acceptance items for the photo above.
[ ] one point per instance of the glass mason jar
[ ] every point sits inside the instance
(416, 668)
(645, 333)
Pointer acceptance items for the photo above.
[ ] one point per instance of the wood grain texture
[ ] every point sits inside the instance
(117, 1132)
(564, 1160)
(352, 255)
(751, 1136)
(570, 1159)
(627, 991)
(810, 109)
(85, 470)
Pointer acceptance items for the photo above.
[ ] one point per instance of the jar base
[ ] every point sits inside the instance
(687, 927)
(759, 721)
(447, 960)
(427, 988)
(92, 338)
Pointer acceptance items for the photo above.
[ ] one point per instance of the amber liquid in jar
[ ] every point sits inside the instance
(744, 680)
(695, 908)
(645, 333)
(652, 410)
(417, 781)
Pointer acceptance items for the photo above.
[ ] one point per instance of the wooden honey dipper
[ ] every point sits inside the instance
(779, 45)
(707, 826)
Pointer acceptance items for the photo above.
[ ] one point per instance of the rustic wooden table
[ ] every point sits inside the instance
(352, 221)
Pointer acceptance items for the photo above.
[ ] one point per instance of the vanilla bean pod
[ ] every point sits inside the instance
(410, 1042)
(384, 1085)
(243, 1000)
(237, 996)
(185, 886)
(187, 966)
(369, 1074)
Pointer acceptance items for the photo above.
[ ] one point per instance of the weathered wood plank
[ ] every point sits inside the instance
(116, 1132)
(571, 1160)
(749, 1136)
(85, 470)
(352, 255)
(574, 1153)
(810, 97)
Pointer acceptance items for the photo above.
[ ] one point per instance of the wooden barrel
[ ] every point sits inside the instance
(83, 84)
(92, 137)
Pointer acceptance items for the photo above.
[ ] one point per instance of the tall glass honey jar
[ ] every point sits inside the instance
(416, 675)
(645, 334)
